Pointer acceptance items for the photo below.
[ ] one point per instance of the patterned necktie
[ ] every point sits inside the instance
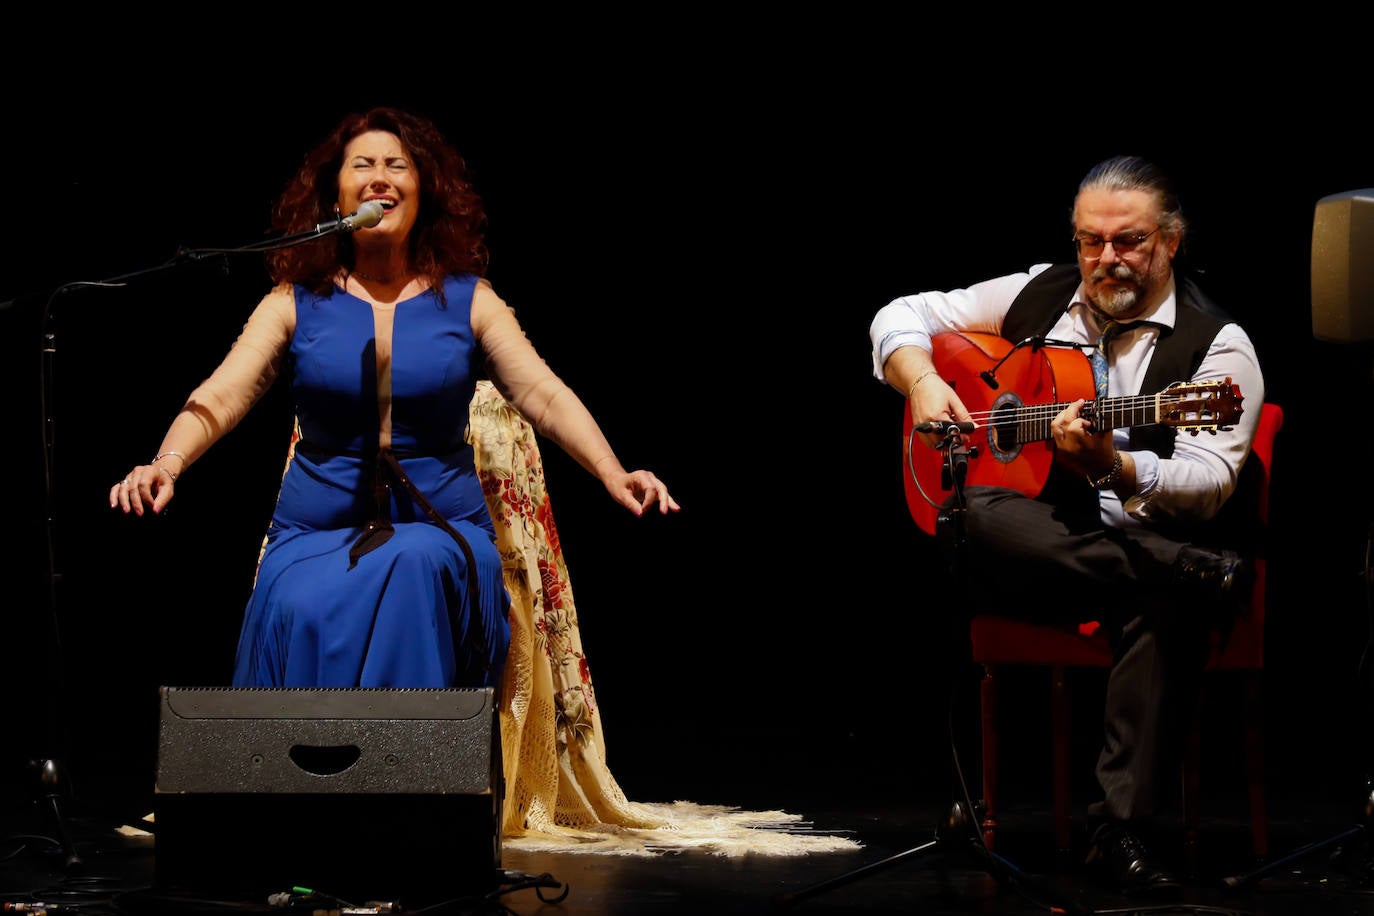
(1098, 357)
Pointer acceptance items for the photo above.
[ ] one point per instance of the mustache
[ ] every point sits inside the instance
(1115, 272)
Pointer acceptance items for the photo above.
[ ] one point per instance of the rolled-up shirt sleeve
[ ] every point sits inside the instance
(912, 321)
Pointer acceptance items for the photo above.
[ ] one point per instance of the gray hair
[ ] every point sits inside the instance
(1132, 173)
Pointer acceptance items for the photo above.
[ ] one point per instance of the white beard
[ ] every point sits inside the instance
(1119, 302)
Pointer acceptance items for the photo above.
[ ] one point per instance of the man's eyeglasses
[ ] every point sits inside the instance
(1092, 246)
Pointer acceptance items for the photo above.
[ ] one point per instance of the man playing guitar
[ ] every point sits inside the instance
(1108, 503)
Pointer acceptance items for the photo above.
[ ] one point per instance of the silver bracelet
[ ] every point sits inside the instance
(160, 455)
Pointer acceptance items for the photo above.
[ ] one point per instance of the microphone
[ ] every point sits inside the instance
(944, 426)
(368, 214)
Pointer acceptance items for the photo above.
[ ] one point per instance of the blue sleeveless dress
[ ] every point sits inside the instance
(404, 612)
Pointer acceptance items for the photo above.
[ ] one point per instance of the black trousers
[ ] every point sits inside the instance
(1057, 563)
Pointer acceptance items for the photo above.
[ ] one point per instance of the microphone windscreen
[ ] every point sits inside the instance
(369, 214)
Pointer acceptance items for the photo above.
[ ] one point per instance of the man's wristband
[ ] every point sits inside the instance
(919, 379)
(1111, 478)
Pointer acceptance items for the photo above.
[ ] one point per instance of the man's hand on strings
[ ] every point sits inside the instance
(931, 400)
(1080, 445)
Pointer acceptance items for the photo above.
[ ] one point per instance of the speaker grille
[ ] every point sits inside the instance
(255, 740)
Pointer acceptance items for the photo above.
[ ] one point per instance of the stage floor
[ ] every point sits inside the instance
(900, 865)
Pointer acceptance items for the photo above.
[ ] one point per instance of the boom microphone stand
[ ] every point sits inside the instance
(958, 833)
(48, 774)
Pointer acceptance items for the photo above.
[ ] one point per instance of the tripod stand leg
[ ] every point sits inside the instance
(48, 777)
(1301, 852)
(956, 822)
(71, 860)
(856, 874)
(1360, 829)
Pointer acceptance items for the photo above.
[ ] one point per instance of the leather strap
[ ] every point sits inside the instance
(379, 530)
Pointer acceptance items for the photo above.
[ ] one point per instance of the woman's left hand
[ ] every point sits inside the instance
(638, 490)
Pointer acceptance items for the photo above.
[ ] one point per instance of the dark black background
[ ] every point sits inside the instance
(696, 232)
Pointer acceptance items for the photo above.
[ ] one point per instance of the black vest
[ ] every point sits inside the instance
(1177, 355)
(1178, 352)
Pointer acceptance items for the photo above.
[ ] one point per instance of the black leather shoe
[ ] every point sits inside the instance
(1216, 574)
(1127, 864)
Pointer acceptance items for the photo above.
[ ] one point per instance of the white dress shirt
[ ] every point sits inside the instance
(1191, 485)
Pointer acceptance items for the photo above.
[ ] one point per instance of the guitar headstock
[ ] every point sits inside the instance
(1197, 406)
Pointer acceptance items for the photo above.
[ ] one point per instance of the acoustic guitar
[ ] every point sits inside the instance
(1013, 392)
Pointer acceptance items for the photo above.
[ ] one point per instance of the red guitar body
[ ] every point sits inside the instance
(1045, 375)
(1013, 393)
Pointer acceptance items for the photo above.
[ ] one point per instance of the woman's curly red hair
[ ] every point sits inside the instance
(450, 231)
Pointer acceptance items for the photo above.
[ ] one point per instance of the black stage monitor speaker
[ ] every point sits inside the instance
(362, 794)
(1343, 267)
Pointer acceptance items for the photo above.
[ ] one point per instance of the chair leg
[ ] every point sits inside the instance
(1253, 727)
(1192, 786)
(1254, 763)
(1061, 730)
(987, 691)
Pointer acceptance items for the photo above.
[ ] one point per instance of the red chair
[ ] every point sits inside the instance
(998, 642)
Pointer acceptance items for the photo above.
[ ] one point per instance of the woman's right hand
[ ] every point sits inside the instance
(147, 486)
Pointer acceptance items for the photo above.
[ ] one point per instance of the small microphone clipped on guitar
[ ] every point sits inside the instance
(1035, 343)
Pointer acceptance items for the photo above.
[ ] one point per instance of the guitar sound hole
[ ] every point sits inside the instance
(1003, 432)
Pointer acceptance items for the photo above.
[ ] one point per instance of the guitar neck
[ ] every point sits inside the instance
(1106, 413)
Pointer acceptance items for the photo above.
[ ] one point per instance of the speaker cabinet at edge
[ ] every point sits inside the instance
(1343, 267)
(362, 794)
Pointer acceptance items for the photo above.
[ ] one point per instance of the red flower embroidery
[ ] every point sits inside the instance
(552, 584)
(544, 515)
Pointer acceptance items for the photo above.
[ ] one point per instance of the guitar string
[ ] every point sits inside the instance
(1032, 413)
